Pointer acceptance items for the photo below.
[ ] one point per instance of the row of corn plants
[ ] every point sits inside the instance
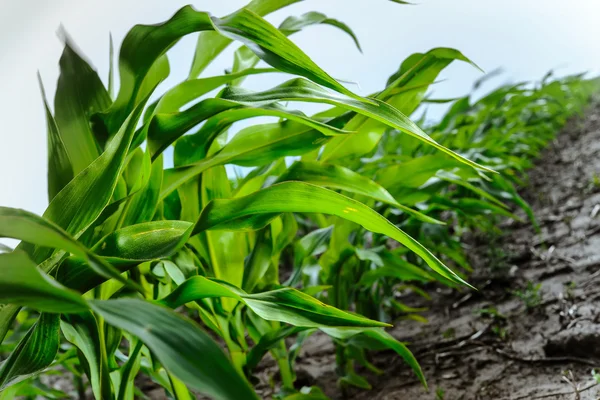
(505, 129)
(191, 276)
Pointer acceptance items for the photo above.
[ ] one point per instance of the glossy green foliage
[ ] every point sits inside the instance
(336, 212)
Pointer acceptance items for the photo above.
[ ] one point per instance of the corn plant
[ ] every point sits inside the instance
(95, 282)
(124, 241)
(505, 129)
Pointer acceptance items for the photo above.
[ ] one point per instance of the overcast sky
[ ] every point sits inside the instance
(524, 37)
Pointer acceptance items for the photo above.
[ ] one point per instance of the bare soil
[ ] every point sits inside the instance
(542, 344)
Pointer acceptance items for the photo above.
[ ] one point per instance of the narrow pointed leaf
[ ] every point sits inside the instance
(294, 24)
(405, 90)
(255, 145)
(60, 170)
(256, 210)
(164, 129)
(337, 177)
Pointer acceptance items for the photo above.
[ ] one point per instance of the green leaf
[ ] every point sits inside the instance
(244, 58)
(297, 308)
(294, 24)
(283, 305)
(267, 342)
(457, 180)
(255, 145)
(275, 48)
(303, 90)
(60, 171)
(78, 205)
(413, 173)
(165, 128)
(35, 351)
(79, 94)
(129, 371)
(225, 249)
(394, 267)
(23, 225)
(190, 90)
(144, 242)
(256, 210)
(144, 44)
(352, 378)
(304, 248)
(180, 346)
(404, 92)
(259, 261)
(143, 203)
(388, 341)
(211, 44)
(337, 177)
(82, 331)
(8, 313)
(23, 284)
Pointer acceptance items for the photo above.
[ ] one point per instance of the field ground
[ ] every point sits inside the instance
(511, 339)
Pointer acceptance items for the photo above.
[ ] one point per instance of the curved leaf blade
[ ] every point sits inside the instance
(257, 209)
(23, 284)
(180, 346)
(284, 305)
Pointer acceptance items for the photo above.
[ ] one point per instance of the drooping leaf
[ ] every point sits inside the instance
(294, 24)
(22, 284)
(268, 341)
(386, 340)
(416, 73)
(338, 177)
(182, 350)
(257, 209)
(26, 226)
(284, 305)
(211, 44)
(255, 145)
(165, 128)
(304, 90)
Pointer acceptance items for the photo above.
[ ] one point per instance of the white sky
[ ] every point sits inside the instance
(525, 37)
